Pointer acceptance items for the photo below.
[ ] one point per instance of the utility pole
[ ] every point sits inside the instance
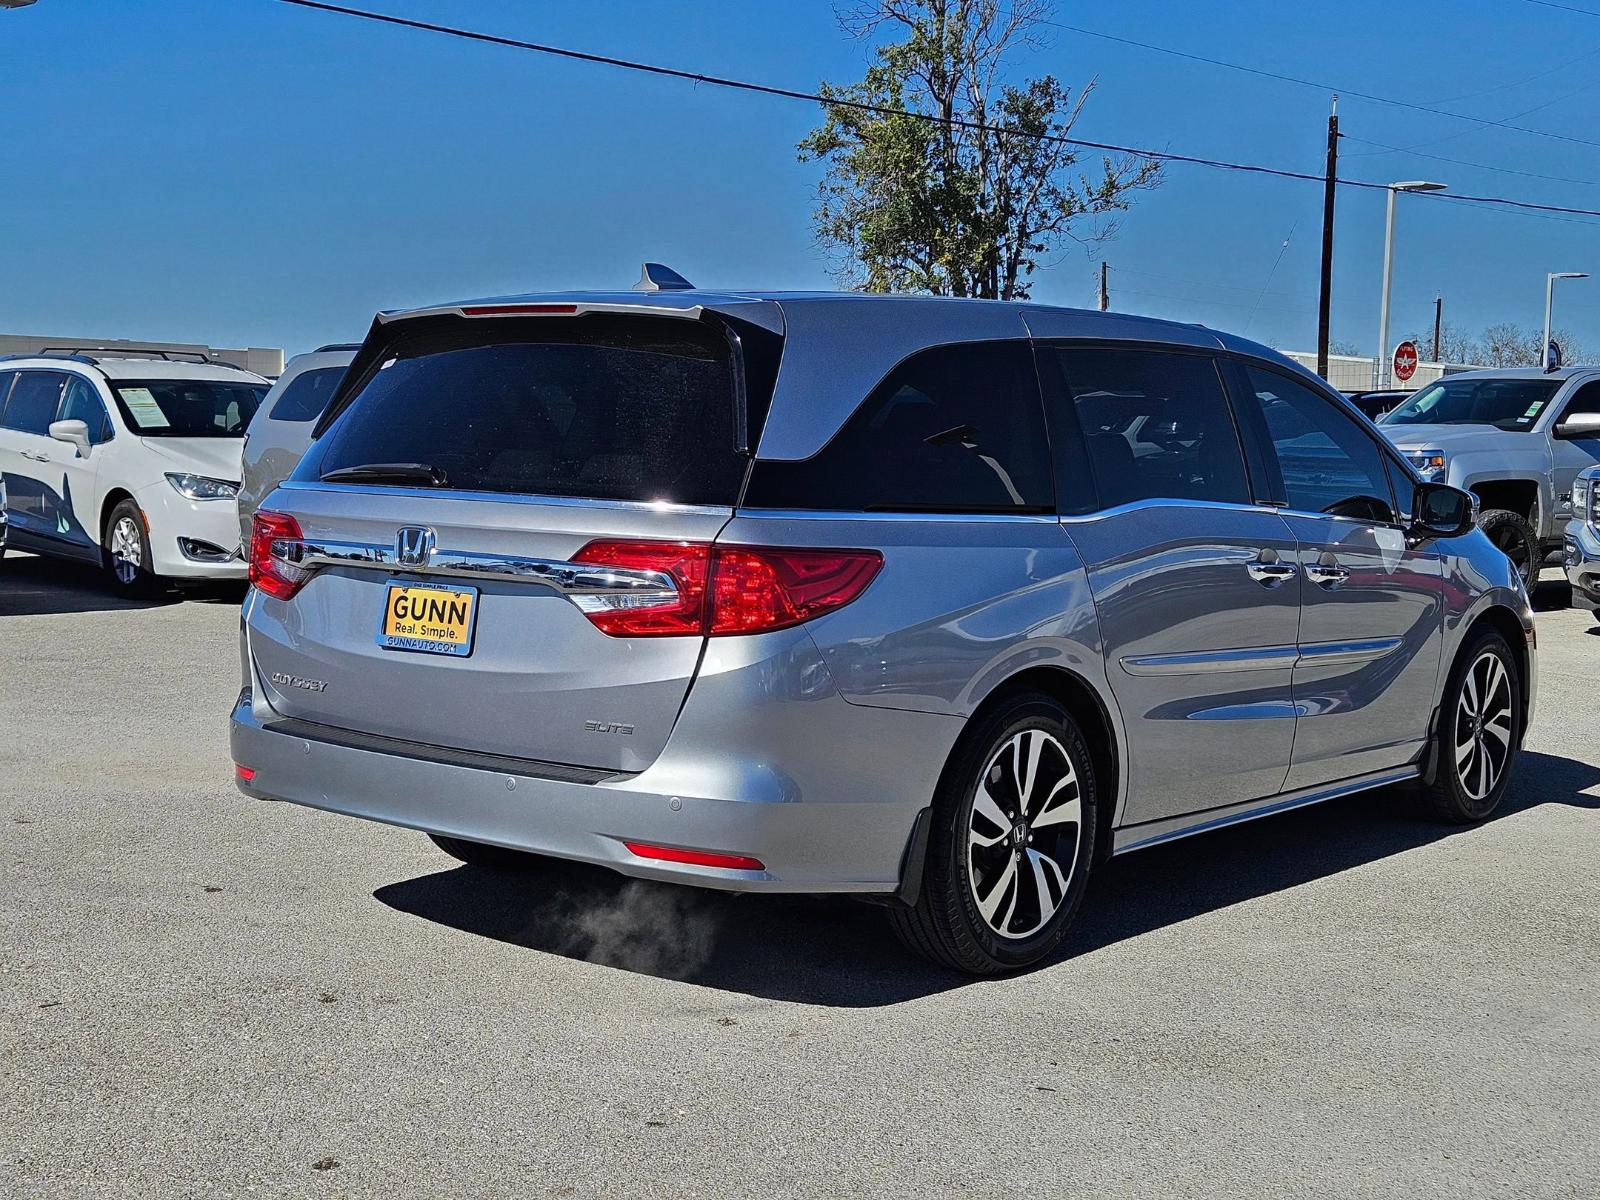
(1105, 293)
(1325, 294)
(1438, 324)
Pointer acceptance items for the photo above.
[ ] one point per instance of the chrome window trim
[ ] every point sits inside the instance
(1168, 502)
(845, 514)
(569, 578)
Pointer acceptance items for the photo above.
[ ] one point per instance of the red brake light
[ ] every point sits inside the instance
(698, 858)
(726, 590)
(272, 575)
(754, 589)
(243, 773)
(520, 310)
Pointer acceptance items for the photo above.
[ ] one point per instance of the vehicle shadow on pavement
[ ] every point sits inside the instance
(839, 953)
(32, 586)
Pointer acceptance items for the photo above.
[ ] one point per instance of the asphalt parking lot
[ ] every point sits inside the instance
(202, 995)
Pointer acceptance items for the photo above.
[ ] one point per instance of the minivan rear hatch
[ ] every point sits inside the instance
(455, 562)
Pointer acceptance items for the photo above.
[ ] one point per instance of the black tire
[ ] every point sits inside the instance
(947, 924)
(1513, 534)
(127, 576)
(1456, 793)
(480, 854)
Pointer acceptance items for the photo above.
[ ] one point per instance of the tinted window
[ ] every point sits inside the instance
(33, 401)
(1506, 403)
(187, 407)
(1328, 462)
(82, 403)
(1156, 425)
(6, 378)
(307, 395)
(1585, 400)
(952, 429)
(632, 408)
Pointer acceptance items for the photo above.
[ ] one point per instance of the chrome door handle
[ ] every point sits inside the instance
(1327, 575)
(1271, 572)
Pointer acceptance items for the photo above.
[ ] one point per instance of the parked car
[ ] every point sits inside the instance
(1582, 540)
(281, 429)
(1374, 404)
(1515, 439)
(128, 459)
(965, 599)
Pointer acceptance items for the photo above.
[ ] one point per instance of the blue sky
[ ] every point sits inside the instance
(246, 172)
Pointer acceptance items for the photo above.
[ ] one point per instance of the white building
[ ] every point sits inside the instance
(262, 361)
(1353, 372)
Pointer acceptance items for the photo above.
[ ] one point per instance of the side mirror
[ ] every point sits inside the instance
(1443, 511)
(74, 433)
(1579, 425)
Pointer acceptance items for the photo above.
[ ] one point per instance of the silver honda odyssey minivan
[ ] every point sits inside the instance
(935, 602)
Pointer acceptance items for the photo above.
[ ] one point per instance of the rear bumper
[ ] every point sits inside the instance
(829, 808)
(1581, 558)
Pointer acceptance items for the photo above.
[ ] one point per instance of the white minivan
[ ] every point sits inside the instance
(128, 460)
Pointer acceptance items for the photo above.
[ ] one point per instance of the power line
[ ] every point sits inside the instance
(744, 85)
(1588, 12)
(1330, 87)
(1385, 148)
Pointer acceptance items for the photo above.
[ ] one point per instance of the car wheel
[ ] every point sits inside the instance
(480, 854)
(1478, 733)
(1011, 842)
(126, 547)
(1513, 535)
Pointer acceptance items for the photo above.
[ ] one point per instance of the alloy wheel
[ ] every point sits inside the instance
(127, 550)
(1024, 834)
(1483, 726)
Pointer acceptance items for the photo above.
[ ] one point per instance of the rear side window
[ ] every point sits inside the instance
(1156, 425)
(952, 429)
(593, 407)
(307, 395)
(33, 401)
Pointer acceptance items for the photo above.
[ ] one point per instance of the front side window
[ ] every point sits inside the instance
(307, 395)
(1328, 463)
(1156, 425)
(82, 403)
(956, 428)
(33, 402)
(1586, 400)
(1513, 404)
(194, 408)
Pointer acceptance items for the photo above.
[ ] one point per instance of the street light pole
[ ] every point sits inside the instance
(1549, 302)
(1380, 362)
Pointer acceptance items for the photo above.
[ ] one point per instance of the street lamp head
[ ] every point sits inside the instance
(1418, 185)
(1569, 274)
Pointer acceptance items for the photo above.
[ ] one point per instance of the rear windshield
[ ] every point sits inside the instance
(1505, 403)
(591, 407)
(187, 407)
(307, 395)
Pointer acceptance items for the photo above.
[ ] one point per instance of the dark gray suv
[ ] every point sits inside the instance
(933, 602)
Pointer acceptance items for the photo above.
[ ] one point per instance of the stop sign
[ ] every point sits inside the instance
(1405, 361)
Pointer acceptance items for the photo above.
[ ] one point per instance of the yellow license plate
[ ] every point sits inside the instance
(429, 619)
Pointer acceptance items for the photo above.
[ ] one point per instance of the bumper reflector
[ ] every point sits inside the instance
(242, 773)
(698, 858)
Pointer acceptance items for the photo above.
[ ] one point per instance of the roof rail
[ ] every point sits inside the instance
(94, 354)
(351, 346)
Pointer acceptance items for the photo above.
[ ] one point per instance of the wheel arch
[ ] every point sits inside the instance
(1093, 714)
(1508, 625)
(113, 497)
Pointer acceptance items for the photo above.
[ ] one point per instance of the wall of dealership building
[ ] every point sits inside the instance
(261, 360)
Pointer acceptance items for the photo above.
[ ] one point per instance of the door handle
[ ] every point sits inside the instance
(32, 457)
(1269, 572)
(1328, 575)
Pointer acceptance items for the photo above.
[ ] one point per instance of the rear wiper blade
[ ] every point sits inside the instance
(419, 473)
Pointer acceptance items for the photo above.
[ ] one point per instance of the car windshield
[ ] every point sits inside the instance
(191, 408)
(1503, 403)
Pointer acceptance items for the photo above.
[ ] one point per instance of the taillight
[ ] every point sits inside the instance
(673, 611)
(698, 858)
(724, 590)
(270, 574)
(754, 589)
